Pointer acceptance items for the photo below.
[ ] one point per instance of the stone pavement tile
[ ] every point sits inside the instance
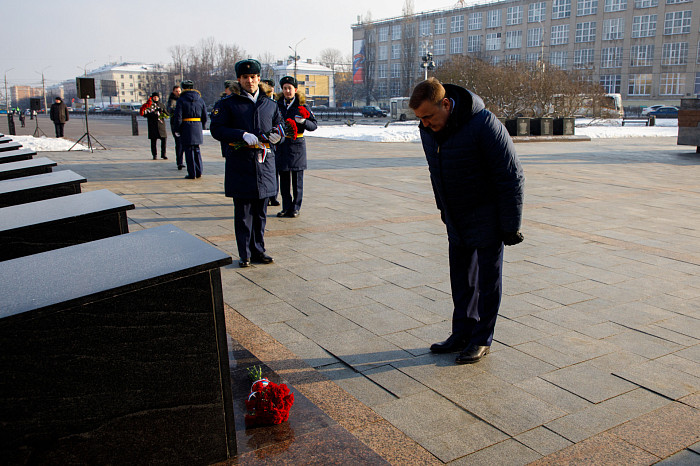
(664, 431)
(311, 353)
(517, 285)
(509, 409)
(507, 453)
(271, 313)
(586, 423)
(681, 364)
(381, 320)
(305, 305)
(569, 318)
(686, 307)
(542, 440)
(691, 400)
(578, 345)
(408, 342)
(358, 281)
(635, 403)
(395, 381)
(604, 448)
(435, 293)
(357, 385)
(692, 353)
(548, 355)
(511, 333)
(513, 365)
(463, 441)
(643, 344)
(541, 302)
(669, 335)
(695, 448)
(341, 300)
(562, 295)
(284, 334)
(514, 307)
(432, 333)
(602, 330)
(394, 445)
(541, 324)
(409, 278)
(636, 314)
(618, 360)
(321, 325)
(588, 382)
(682, 458)
(660, 378)
(373, 350)
(312, 271)
(682, 324)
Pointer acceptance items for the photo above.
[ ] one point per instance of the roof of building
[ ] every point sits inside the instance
(302, 67)
(130, 68)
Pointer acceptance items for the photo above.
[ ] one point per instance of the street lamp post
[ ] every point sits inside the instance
(296, 57)
(428, 63)
(7, 102)
(43, 87)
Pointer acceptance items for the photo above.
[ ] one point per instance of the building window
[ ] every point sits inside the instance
(396, 89)
(675, 54)
(585, 32)
(131, 84)
(396, 32)
(671, 84)
(558, 59)
(307, 78)
(584, 58)
(646, 3)
(440, 46)
(396, 70)
(644, 26)
(697, 83)
(457, 23)
(615, 5)
(534, 37)
(382, 89)
(122, 76)
(495, 59)
(514, 39)
(395, 51)
(456, 45)
(673, 2)
(493, 19)
(533, 57)
(561, 9)
(610, 83)
(383, 34)
(611, 57)
(474, 44)
(122, 85)
(698, 59)
(586, 7)
(440, 25)
(639, 84)
(513, 59)
(613, 28)
(559, 35)
(642, 55)
(475, 21)
(514, 15)
(536, 12)
(424, 28)
(409, 29)
(677, 22)
(382, 52)
(381, 70)
(493, 41)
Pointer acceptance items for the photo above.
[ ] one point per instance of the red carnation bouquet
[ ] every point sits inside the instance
(304, 112)
(268, 403)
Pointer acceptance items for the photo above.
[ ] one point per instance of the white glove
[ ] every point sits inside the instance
(300, 120)
(250, 139)
(274, 138)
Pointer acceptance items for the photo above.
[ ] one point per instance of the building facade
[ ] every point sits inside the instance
(646, 50)
(314, 80)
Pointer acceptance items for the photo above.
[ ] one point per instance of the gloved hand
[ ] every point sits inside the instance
(511, 238)
(274, 138)
(250, 139)
(300, 120)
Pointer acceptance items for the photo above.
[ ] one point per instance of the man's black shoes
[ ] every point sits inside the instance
(288, 213)
(244, 263)
(472, 354)
(453, 344)
(188, 177)
(262, 259)
(273, 202)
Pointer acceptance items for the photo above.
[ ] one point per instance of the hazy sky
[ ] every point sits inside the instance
(62, 37)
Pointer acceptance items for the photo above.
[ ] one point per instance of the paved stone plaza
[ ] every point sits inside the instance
(596, 356)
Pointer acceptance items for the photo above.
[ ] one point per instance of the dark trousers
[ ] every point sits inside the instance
(154, 147)
(292, 189)
(249, 218)
(59, 129)
(193, 157)
(476, 280)
(179, 151)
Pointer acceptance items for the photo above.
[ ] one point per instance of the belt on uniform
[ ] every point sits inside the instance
(191, 119)
(261, 145)
(292, 137)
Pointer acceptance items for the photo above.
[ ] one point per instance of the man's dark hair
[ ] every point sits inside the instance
(176, 86)
(429, 90)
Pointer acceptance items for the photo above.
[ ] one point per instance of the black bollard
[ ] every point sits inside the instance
(134, 125)
(11, 124)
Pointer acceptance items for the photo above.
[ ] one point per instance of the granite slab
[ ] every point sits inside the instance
(17, 154)
(26, 168)
(39, 187)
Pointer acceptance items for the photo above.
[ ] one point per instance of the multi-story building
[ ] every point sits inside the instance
(20, 95)
(646, 50)
(314, 80)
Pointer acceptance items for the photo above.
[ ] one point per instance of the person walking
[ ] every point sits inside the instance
(245, 121)
(155, 113)
(22, 118)
(478, 184)
(290, 156)
(188, 122)
(59, 115)
(172, 102)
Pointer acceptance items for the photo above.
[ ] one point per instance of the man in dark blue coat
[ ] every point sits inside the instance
(478, 184)
(245, 121)
(188, 122)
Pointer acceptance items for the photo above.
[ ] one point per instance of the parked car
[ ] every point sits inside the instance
(373, 111)
(665, 112)
(651, 108)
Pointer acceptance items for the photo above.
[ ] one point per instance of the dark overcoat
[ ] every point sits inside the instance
(190, 105)
(476, 176)
(58, 113)
(248, 175)
(290, 155)
(156, 123)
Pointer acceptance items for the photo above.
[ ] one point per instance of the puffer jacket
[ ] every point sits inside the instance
(477, 178)
(290, 155)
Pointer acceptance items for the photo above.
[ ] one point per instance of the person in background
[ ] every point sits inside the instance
(188, 121)
(478, 184)
(59, 115)
(155, 113)
(273, 199)
(22, 118)
(290, 155)
(172, 102)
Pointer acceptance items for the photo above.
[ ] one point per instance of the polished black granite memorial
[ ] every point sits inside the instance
(16, 155)
(26, 168)
(63, 221)
(39, 187)
(10, 146)
(115, 352)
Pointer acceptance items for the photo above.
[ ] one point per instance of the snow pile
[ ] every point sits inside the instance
(45, 144)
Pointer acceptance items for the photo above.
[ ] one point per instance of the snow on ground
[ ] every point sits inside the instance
(45, 144)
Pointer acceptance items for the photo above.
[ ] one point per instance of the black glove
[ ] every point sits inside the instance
(511, 238)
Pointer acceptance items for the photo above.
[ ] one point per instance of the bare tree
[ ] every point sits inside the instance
(407, 9)
(370, 64)
(331, 58)
(409, 54)
(267, 60)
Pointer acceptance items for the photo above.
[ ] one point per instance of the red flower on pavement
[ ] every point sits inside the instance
(268, 404)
